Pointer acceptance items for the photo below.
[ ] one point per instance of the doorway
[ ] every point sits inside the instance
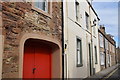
(90, 59)
(37, 59)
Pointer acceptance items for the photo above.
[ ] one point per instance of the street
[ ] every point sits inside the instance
(113, 75)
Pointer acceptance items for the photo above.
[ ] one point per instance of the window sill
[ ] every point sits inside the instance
(88, 31)
(42, 12)
(79, 65)
(94, 36)
(78, 23)
(96, 63)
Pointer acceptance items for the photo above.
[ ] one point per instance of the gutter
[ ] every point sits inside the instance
(93, 9)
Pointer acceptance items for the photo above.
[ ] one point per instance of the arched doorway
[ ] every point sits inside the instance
(56, 55)
(37, 59)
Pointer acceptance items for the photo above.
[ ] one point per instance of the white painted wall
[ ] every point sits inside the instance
(95, 41)
(73, 30)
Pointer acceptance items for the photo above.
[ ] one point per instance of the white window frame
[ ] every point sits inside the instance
(87, 20)
(101, 40)
(77, 7)
(48, 11)
(46, 5)
(102, 59)
(109, 59)
(79, 52)
(106, 44)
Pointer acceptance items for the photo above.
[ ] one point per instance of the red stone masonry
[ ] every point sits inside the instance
(18, 19)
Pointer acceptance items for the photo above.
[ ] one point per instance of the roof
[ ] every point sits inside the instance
(93, 9)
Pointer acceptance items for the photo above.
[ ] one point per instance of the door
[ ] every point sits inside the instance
(28, 64)
(42, 61)
(90, 59)
(37, 60)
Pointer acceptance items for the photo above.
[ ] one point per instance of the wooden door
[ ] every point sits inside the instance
(37, 61)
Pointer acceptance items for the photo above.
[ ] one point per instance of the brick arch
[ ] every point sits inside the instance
(56, 56)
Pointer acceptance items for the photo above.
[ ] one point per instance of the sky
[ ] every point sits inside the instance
(108, 14)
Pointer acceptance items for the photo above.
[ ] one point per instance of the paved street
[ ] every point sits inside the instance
(115, 75)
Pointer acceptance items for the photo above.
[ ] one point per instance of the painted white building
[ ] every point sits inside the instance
(80, 39)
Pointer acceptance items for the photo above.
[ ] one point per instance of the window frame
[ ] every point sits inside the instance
(101, 39)
(80, 52)
(49, 11)
(77, 7)
(102, 55)
(87, 20)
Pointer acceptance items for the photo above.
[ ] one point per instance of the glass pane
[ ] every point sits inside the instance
(78, 44)
(78, 56)
(102, 59)
(40, 4)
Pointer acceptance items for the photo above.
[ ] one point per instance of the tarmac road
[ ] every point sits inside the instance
(114, 75)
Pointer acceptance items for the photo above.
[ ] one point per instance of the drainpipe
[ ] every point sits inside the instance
(62, 40)
(105, 52)
(91, 42)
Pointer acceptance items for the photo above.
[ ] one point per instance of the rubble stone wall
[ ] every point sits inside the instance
(18, 19)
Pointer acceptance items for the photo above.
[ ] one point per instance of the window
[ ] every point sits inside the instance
(110, 46)
(94, 30)
(113, 48)
(41, 4)
(109, 59)
(106, 44)
(101, 40)
(102, 58)
(79, 53)
(77, 10)
(96, 61)
(87, 20)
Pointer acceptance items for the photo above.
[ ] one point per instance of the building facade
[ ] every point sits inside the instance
(118, 54)
(80, 39)
(30, 40)
(107, 49)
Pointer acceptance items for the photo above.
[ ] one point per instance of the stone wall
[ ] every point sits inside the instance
(111, 42)
(18, 19)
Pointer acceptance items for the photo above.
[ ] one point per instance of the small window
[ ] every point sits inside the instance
(94, 30)
(109, 59)
(102, 56)
(101, 40)
(106, 44)
(79, 53)
(96, 60)
(77, 10)
(41, 4)
(87, 20)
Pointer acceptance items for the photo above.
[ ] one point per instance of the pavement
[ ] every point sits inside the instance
(100, 75)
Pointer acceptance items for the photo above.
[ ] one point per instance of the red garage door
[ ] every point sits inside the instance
(37, 60)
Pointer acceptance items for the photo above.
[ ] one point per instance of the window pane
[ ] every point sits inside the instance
(87, 20)
(77, 10)
(96, 55)
(101, 40)
(79, 53)
(102, 58)
(42, 4)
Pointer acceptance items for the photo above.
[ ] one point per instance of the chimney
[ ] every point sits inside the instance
(102, 28)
